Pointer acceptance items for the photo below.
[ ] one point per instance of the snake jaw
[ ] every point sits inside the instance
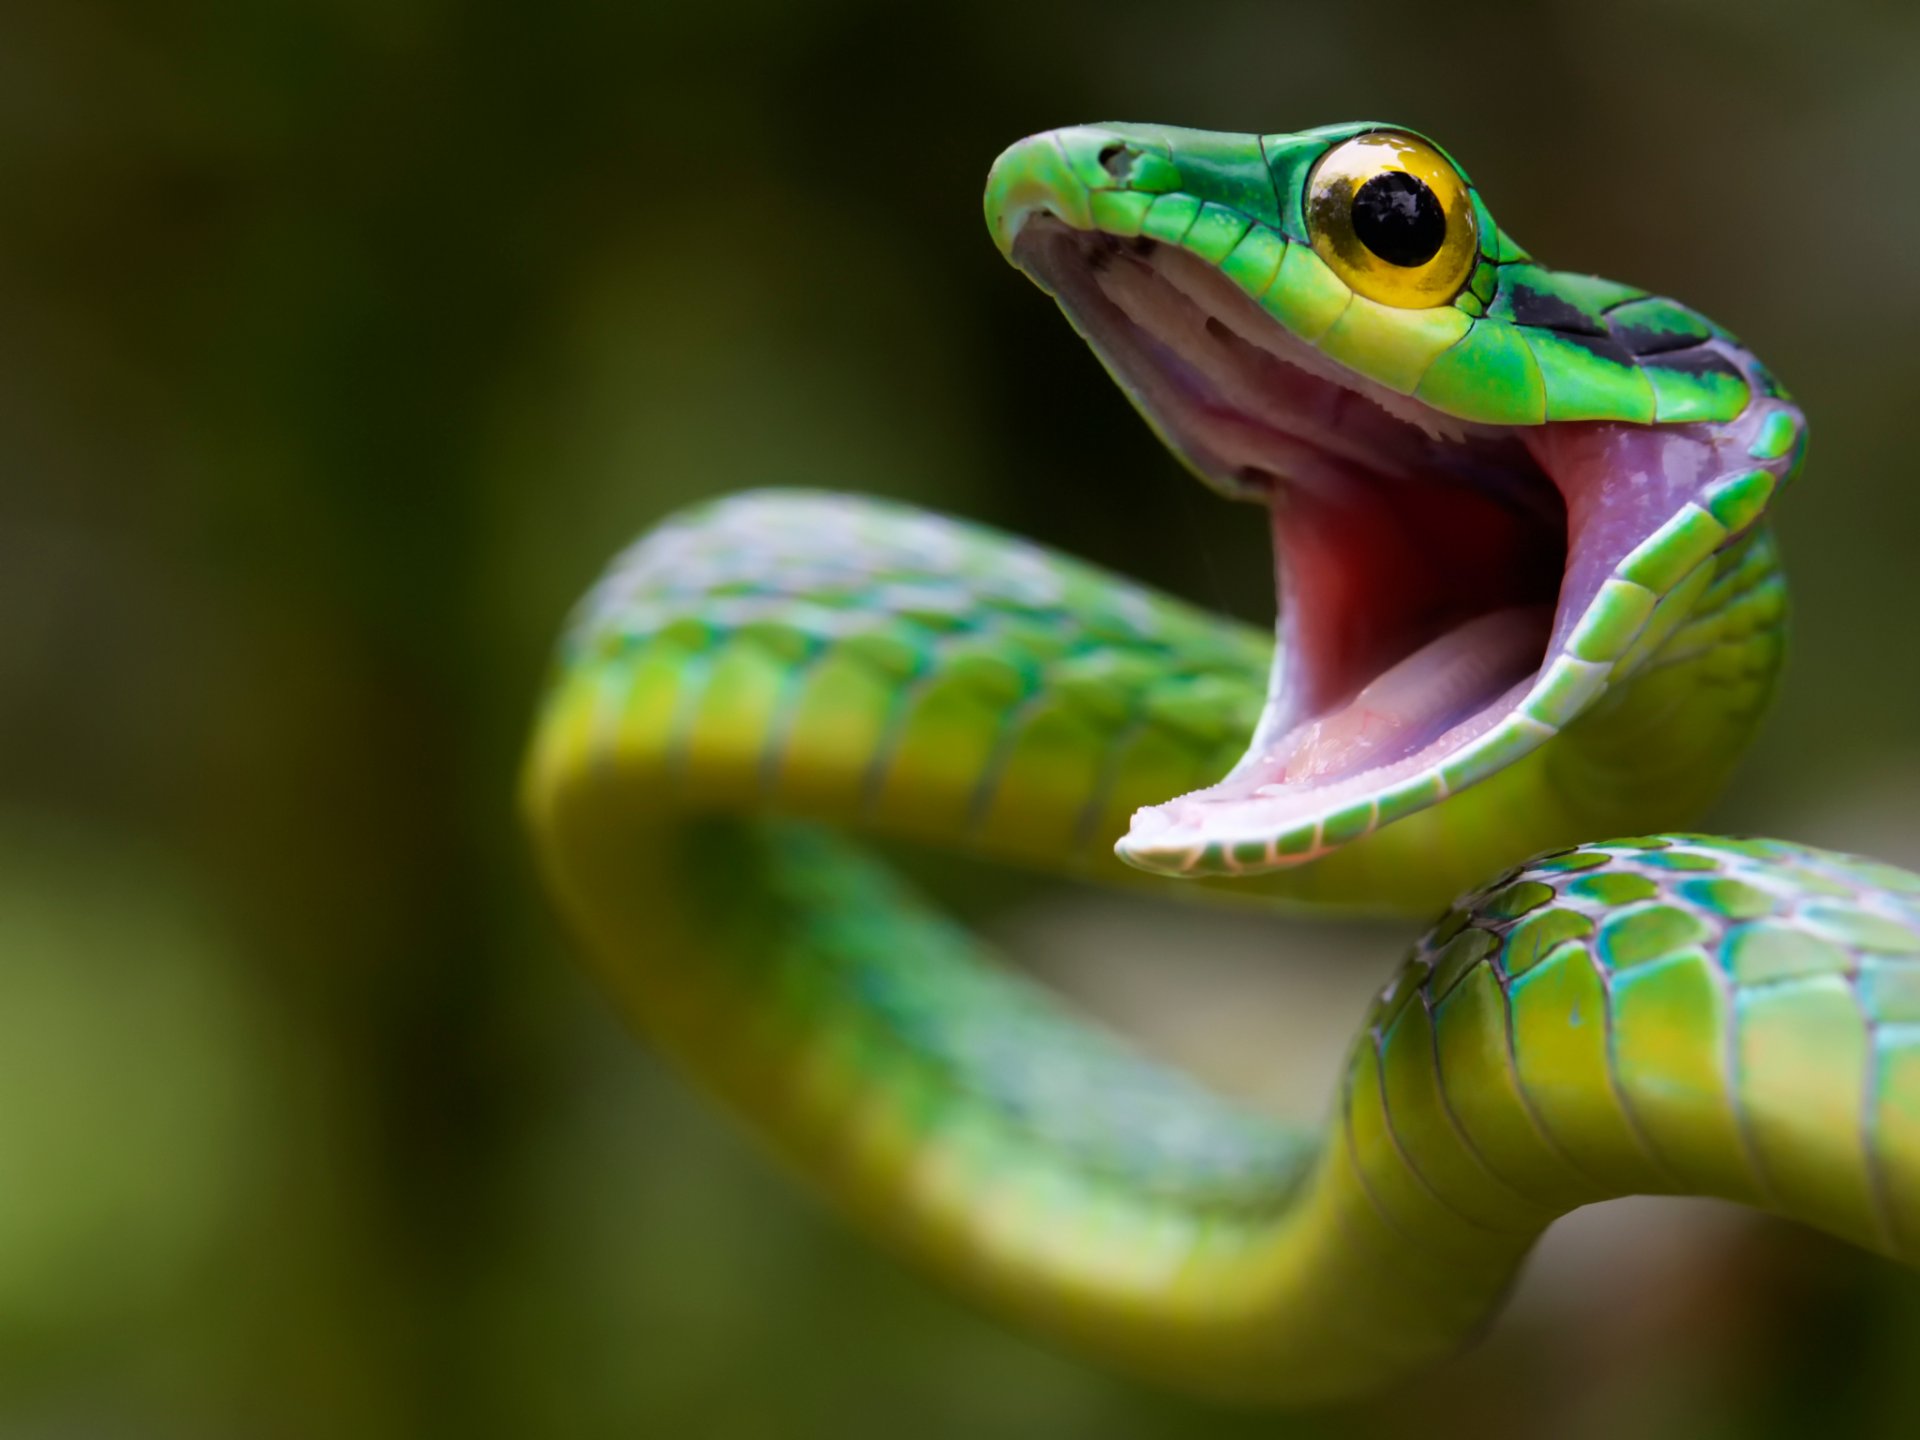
(1452, 594)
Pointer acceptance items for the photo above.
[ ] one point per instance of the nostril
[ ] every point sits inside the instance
(1117, 160)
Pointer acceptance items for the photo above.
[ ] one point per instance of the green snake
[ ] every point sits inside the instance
(1528, 596)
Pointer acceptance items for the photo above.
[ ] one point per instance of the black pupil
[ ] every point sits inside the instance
(1399, 219)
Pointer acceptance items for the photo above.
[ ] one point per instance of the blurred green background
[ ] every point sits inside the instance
(344, 340)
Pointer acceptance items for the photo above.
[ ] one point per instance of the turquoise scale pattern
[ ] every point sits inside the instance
(942, 613)
(1749, 1003)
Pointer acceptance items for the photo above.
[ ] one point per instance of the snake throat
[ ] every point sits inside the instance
(1443, 584)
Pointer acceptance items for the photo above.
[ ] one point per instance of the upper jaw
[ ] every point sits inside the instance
(1452, 594)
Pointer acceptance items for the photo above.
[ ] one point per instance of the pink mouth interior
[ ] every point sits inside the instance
(1426, 567)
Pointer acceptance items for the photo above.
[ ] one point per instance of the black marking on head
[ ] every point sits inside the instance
(1601, 346)
(1700, 360)
(1549, 312)
(1117, 160)
(1653, 325)
(1398, 218)
(1640, 340)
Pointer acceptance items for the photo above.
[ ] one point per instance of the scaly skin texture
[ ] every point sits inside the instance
(763, 675)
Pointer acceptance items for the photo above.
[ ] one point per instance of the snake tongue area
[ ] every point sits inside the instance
(1429, 570)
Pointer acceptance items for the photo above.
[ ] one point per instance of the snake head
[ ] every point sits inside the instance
(1497, 490)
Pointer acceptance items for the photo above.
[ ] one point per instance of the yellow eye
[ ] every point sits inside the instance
(1394, 219)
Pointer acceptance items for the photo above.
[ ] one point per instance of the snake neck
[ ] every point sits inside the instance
(1609, 1021)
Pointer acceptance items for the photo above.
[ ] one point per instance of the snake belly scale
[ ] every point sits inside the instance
(1528, 598)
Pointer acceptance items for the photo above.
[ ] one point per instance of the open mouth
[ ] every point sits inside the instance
(1431, 572)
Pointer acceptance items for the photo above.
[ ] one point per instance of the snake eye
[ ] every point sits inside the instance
(1394, 219)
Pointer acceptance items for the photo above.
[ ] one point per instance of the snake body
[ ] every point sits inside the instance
(758, 679)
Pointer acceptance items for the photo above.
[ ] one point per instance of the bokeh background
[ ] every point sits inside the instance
(341, 341)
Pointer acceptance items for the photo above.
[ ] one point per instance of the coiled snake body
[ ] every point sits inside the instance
(1528, 597)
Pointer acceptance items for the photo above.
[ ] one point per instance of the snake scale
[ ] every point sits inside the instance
(1528, 596)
